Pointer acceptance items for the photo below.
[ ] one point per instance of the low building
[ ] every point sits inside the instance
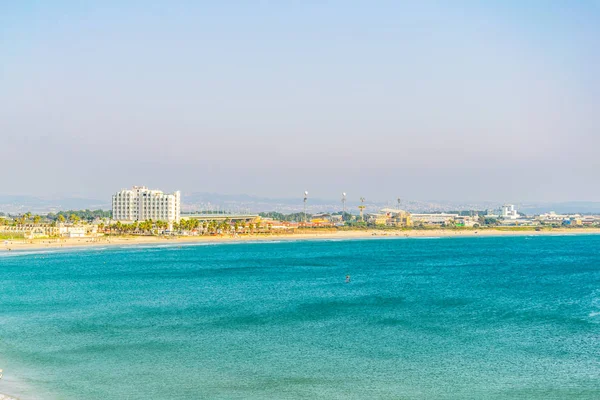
(72, 231)
(466, 221)
(30, 231)
(378, 219)
(433, 219)
(572, 222)
(518, 222)
(397, 217)
(206, 217)
(554, 218)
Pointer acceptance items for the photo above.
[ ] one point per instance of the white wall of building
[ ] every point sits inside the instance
(140, 203)
(508, 211)
(433, 218)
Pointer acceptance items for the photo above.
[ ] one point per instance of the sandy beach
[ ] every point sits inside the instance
(38, 244)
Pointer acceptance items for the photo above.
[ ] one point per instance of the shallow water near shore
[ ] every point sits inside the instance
(493, 317)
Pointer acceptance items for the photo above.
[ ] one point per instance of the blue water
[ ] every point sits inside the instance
(457, 318)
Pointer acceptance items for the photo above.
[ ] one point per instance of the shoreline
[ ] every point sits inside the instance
(71, 243)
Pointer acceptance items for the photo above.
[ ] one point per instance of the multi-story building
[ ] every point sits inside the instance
(141, 204)
(396, 217)
(508, 211)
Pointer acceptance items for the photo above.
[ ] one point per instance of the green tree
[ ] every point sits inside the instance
(212, 226)
(37, 219)
(490, 221)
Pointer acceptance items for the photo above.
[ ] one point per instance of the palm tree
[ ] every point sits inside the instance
(212, 226)
(37, 219)
(184, 224)
(142, 226)
(223, 227)
(61, 218)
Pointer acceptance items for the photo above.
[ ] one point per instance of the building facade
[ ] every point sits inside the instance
(433, 219)
(140, 204)
(508, 211)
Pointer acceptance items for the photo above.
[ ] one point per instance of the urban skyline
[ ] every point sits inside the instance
(244, 203)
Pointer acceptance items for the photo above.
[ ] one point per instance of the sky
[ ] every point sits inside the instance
(448, 100)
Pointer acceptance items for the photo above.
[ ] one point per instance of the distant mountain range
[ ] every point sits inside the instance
(19, 204)
(569, 207)
(246, 203)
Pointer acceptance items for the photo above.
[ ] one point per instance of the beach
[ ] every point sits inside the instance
(38, 244)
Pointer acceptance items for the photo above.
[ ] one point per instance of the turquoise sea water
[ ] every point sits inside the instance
(468, 318)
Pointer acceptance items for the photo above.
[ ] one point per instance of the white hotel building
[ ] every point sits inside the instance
(141, 204)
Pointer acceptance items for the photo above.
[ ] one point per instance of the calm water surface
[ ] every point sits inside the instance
(468, 318)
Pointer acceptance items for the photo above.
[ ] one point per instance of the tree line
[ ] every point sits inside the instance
(150, 227)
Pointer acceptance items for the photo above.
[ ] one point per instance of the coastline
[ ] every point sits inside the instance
(66, 243)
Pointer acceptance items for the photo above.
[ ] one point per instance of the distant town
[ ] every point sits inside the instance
(144, 211)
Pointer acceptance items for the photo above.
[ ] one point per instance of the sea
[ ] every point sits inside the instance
(438, 318)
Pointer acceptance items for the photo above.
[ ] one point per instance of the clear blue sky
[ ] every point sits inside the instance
(469, 100)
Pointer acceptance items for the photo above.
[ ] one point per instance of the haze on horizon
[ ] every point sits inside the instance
(469, 100)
